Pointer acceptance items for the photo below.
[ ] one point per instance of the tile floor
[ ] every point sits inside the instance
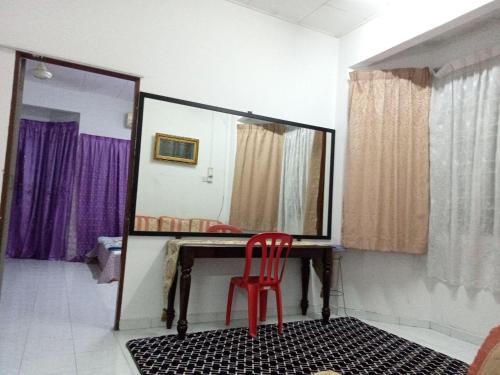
(56, 319)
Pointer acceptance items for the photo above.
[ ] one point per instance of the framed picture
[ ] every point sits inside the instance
(173, 148)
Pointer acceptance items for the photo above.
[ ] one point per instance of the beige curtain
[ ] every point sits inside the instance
(257, 177)
(386, 193)
(313, 214)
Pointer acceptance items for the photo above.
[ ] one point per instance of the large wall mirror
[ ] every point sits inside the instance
(198, 167)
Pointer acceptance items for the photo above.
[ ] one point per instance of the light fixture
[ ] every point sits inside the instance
(41, 71)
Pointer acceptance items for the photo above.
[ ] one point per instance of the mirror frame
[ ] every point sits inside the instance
(137, 153)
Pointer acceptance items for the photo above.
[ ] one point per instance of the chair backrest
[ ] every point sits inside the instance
(223, 228)
(275, 247)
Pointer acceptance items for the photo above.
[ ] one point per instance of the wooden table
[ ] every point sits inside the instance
(188, 253)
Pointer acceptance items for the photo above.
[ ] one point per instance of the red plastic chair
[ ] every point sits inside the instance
(223, 228)
(272, 245)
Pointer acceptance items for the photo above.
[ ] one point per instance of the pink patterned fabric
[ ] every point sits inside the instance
(166, 223)
(201, 225)
(146, 223)
(174, 224)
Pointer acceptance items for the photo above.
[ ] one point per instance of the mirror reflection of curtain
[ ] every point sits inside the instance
(314, 200)
(257, 177)
(297, 150)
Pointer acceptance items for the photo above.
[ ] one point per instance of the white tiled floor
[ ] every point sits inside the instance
(434, 340)
(56, 319)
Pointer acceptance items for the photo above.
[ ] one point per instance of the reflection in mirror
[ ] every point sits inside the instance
(252, 174)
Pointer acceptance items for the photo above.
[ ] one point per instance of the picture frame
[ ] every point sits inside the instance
(174, 148)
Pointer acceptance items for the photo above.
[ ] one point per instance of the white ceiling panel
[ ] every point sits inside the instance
(363, 8)
(333, 17)
(334, 21)
(290, 10)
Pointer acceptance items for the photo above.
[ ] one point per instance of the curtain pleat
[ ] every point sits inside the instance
(257, 177)
(313, 210)
(386, 194)
(298, 143)
(101, 188)
(464, 234)
(43, 186)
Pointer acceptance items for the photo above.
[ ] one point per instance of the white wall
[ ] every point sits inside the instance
(161, 183)
(99, 114)
(7, 58)
(210, 51)
(396, 286)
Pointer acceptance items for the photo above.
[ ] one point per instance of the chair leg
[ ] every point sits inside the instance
(263, 305)
(253, 295)
(279, 307)
(229, 303)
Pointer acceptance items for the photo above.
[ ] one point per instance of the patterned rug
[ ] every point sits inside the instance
(345, 345)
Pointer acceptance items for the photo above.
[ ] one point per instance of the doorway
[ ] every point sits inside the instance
(65, 198)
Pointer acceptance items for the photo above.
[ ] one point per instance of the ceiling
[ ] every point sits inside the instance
(80, 80)
(333, 17)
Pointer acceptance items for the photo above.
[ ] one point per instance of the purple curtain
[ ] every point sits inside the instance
(101, 188)
(43, 185)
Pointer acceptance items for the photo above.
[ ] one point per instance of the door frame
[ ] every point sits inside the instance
(10, 147)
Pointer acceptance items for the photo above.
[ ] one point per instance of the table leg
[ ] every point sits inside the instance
(327, 270)
(304, 303)
(170, 302)
(186, 262)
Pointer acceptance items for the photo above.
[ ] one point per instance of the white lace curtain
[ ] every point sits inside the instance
(297, 150)
(464, 234)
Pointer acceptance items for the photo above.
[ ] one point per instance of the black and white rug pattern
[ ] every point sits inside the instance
(345, 345)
